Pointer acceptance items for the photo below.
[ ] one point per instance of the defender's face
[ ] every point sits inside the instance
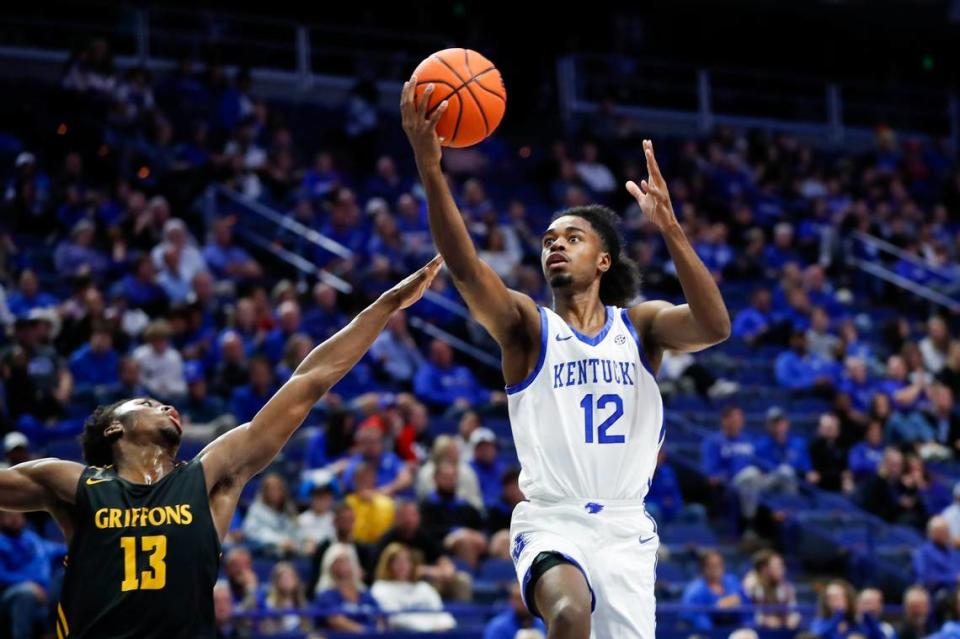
(147, 416)
(572, 252)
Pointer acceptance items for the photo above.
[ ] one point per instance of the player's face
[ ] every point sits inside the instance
(572, 253)
(148, 417)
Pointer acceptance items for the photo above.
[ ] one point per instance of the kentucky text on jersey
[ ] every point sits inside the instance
(178, 515)
(594, 371)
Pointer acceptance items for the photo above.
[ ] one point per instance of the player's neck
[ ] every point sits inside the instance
(582, 310)
(144, 463)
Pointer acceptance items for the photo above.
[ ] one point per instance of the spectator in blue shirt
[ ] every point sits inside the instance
(485, 464)
(664, 500)
(393, 475)
(799, 370)
(856, 384)
(340, 588)
(28, 295)
(95, 364)
(250, 398)
(445, 385)
(779, 449)
(396, 352)
(754, 322)
(289, 324)
(781, 252)
(387, 183)
(224, 258)
(322, 178)
(25, 561)
(508, 623)
(141, 290)
(936, 564)
(836, 614)
(323, 319)
(728, 452)
(865, 457)
(717, 590)
(77, 256)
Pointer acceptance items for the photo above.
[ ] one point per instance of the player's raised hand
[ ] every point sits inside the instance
(409, 290)
(421, 127)
(652, 194)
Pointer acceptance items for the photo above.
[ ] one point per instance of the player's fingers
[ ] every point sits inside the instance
(645, 187)
(437, 114)
(405, 94)
(425, 100)
(652, 167)
(633, 189)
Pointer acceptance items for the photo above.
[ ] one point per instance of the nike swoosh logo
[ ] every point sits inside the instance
(643, 541)
(563, 339)
(91, 481)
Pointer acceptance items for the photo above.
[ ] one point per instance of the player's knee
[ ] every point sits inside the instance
(570, 612)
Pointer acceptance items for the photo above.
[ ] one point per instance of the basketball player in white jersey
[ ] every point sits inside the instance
(584, 406)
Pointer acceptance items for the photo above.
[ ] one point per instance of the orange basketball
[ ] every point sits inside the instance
(474, 90)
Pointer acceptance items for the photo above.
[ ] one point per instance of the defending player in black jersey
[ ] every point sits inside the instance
(144, 529)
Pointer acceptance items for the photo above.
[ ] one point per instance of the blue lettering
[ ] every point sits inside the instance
(582, 371)
(593, 365)
(557, 375)
(607, 371)
(616, 372)
(570, 367)
(625, 372)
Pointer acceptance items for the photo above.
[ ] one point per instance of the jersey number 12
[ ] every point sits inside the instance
(603, 437)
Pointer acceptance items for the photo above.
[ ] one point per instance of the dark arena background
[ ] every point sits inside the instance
(196, 194)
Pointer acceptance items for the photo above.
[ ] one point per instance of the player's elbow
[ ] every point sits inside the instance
(719, 330)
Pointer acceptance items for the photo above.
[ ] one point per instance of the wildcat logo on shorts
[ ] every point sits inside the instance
(593, 507)
(519, 543)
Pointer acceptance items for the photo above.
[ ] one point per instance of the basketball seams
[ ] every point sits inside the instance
(465, 84)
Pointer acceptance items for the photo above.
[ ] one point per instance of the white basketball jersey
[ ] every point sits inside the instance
(588, 420)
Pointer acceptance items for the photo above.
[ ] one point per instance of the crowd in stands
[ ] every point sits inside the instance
(114, 282)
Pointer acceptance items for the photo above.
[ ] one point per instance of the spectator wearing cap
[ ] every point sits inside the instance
(161, 366)
(442, 384)
(36, 381)
(247, 400)
(778, 450)
(936, 564)
(28, 295)
(207, 415)
(77, 255)
(16, 449)
(95, 365)
(392, 474)
(396, 352)
(488, 469)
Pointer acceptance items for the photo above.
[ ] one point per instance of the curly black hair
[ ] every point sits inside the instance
(97, 447)
(621, 283)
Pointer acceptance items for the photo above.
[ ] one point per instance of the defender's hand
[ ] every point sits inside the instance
(412, 287)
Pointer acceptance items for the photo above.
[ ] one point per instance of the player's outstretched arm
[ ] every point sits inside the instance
(504, 313)
(248, 449)
(703, 321)
(40, 484)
